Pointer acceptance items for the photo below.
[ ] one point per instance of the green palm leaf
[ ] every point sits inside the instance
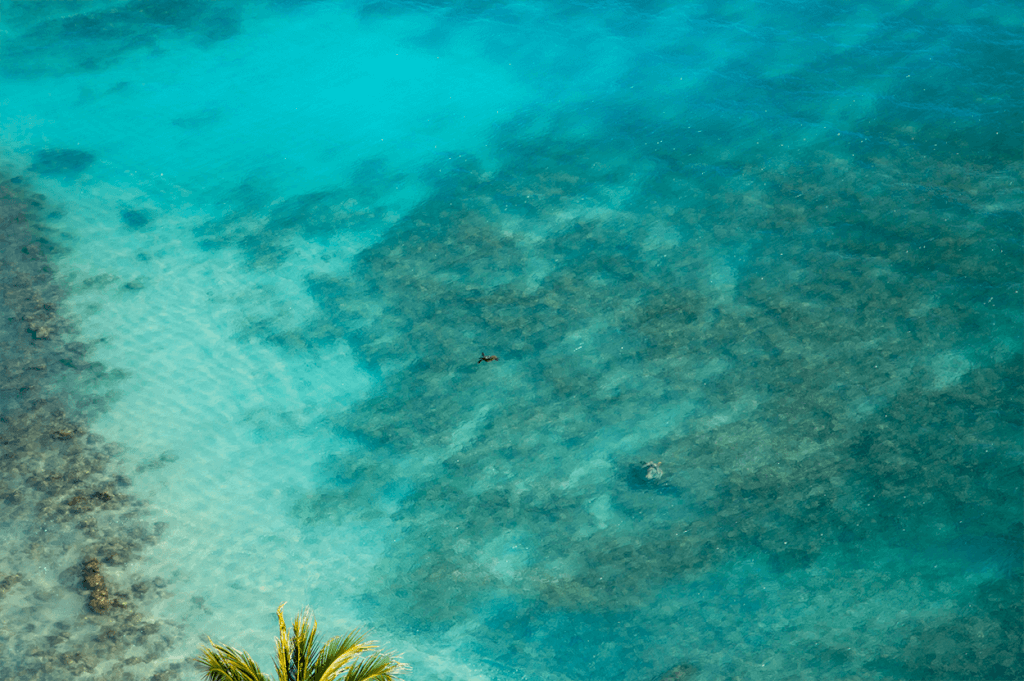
(377, 667)
(227, 664)
(300, 657)
(337, 653)
(283, 660)
(303, 646)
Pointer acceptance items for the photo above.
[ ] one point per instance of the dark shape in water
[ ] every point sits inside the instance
(7, 582)
(134, 219)
(649, 475)
(652, 471)
(681, 672)
(61, 162)
(487, 358)
(99, 597)
(200, 120)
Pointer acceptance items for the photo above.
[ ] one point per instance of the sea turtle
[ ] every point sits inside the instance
(653, 470)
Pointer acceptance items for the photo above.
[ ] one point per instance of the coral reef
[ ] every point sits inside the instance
(797, 387)
(62, 493)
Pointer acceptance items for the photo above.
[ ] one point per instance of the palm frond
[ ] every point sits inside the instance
(228, 664)
(304, 645)
(300, 657)
(283, 661)
(377, 667)
(337, 653)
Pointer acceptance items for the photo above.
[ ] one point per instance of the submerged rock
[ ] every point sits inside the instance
(7, 582)
(99, 597)
(80, 503)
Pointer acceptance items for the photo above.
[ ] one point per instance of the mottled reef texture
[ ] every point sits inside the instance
(797, 395)
(71, 530)
(52, 35)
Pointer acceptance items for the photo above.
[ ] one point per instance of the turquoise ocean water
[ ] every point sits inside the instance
(753, 272)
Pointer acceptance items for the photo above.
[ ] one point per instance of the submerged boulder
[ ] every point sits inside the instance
(99, 597)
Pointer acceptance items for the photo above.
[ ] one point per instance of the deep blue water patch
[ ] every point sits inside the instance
(135, 219)
(61, 162)
(87, 38)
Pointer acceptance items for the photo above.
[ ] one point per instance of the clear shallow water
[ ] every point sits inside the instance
(775, 249)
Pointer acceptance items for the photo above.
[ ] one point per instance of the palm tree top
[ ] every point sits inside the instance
(301, 657)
